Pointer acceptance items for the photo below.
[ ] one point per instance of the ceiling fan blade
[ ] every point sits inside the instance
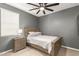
(45, 4)
(44, 12)
(49, 9)
(52, 4)
(33, 9)
(38, 11)
(40, 4)
(33, 4)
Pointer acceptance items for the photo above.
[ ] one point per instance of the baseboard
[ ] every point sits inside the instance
(5, 52)
(70, 48)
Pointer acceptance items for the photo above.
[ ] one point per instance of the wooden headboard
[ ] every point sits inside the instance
(30, 29)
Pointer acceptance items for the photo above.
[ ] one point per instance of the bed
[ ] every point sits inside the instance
(41, 42)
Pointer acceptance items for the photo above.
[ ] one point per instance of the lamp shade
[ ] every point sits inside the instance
(20, 31)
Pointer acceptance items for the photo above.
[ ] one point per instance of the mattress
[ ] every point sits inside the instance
(42, 40)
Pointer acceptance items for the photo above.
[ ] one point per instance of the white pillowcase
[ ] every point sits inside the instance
(34, 33)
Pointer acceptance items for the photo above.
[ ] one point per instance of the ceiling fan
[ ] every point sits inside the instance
(43, 7)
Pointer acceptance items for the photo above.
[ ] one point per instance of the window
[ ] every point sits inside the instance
(9, 22)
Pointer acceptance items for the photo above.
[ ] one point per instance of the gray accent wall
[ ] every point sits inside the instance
(64, 23)
(26, 20)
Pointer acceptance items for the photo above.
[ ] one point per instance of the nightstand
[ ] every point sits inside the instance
(18, 43)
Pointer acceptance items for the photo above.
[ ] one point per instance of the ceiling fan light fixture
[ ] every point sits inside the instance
(41, 8)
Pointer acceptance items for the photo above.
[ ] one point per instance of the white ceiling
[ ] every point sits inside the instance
(25, 7)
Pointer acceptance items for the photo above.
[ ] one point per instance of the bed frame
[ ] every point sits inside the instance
(56, 44)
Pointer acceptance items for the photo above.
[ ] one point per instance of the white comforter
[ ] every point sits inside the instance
(42, 40)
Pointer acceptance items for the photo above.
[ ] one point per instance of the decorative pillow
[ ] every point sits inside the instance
(34, 33)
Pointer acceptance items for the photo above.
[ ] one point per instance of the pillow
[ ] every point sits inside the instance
(34, 33)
